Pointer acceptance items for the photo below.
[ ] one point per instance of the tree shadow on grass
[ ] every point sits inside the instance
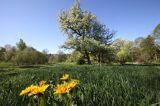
(29, 66)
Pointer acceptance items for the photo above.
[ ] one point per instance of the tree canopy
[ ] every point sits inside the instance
(81, 27)
(21, 45)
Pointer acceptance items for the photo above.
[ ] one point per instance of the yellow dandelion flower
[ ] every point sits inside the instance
(73, 83)
(65, 77)
(28, 90)
(35, 89)
(41, 83)
(39, 90)
(62, 89)
(66, 87)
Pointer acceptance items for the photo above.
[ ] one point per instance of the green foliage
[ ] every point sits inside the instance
(9, 53)
(156, 34)
(148, 49)
(157, 55)
(21, 45)
(2, 53)
(122, 56)
(104, 85)
(58, 58)
(74, 57)
(156, 31)
(29, 56)
(80, 61)
(124, 50)
(100, 52)
(81, 26)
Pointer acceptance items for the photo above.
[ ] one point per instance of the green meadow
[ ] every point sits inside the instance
(104, 85)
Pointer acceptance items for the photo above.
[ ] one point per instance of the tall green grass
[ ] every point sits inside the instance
(99, 85)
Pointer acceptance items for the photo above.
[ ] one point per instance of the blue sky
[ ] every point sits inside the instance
(35, 21)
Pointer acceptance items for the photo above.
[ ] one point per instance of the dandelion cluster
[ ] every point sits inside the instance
(63, 88)
(35, 89)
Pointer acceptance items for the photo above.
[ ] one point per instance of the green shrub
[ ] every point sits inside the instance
(80, 61)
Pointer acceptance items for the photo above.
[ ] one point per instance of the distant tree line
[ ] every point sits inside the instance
(143, 50)
(21, 54)
(24, 55)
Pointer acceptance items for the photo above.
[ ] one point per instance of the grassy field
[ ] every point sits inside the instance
(103, 86)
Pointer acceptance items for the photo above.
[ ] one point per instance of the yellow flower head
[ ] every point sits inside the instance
(62, 89)
(39, 90)
(28, 90)
(73, 83)
(41, 83)
(65, 77)
(66, 87)
(35, 89)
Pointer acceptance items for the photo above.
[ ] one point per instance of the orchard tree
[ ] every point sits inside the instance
(80, 26)
(100, 52)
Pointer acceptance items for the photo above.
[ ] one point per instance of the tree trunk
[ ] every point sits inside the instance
(88, 57)
(99, 58)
